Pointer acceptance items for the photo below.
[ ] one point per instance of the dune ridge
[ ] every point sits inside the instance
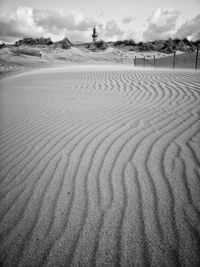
(100, 167)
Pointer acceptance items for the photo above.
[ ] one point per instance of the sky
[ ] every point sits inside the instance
(142, 20)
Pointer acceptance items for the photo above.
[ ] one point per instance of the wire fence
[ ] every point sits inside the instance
(188, 60)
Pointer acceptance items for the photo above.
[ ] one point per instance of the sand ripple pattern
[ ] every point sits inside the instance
(100, 168)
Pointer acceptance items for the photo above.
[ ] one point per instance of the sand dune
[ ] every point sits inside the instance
(100, 166)
(28, 58)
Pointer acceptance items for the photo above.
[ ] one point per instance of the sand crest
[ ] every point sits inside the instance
(100, 166)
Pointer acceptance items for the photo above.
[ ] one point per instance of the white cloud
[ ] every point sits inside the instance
(190, 29)
(19, 23)
(58, 19)
(26, 21)
(136, 35)
(161, 24)
(112, 29)
(56, 23)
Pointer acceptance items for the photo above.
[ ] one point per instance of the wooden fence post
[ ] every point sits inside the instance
(174, 60)
(197, 55)
(17, 48)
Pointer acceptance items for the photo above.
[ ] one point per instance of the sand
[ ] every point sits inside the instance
(10, 62)
(100, 166)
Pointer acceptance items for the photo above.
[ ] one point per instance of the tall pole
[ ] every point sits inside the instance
(135, 61)
(197, 55)
(154, 61)
(174, 60)
(144, 62)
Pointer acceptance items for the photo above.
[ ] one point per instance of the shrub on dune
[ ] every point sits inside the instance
(98, 45)
(63, 44)
(37, 41)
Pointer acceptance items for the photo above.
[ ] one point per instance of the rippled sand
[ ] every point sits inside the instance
(100, 166)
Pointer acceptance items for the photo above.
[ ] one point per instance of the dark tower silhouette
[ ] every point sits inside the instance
(94, 35)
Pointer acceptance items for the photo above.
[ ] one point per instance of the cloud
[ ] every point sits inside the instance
(58, 19)
(18, 23)
(112, 29)
(161, 24)
(135, 35)
(190, 29)
(127, 20)
(27, 21)
(56, 23)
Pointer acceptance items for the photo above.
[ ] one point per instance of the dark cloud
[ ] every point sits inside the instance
(127, 20)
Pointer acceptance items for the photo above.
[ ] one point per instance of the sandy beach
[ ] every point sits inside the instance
(100, 166)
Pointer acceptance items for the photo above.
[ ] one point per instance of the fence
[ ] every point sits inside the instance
(188, 60)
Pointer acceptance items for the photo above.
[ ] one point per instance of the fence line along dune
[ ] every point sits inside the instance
(100, 167)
